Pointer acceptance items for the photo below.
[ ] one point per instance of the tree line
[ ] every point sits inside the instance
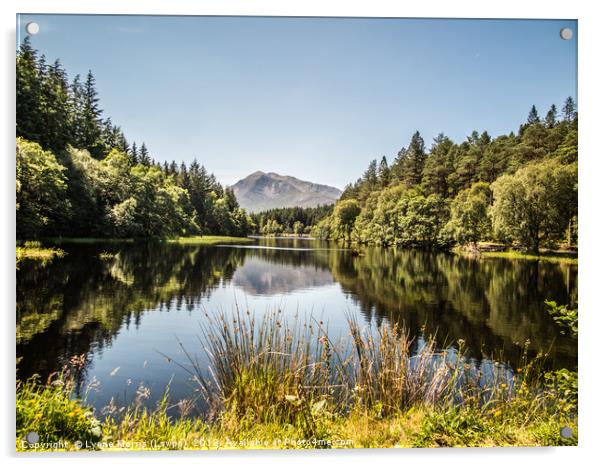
(77, 174)
(290, 220)
(518, 189)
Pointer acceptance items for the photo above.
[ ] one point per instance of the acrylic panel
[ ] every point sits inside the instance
(295, 232)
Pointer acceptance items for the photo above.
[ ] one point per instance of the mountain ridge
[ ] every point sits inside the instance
(268, 190)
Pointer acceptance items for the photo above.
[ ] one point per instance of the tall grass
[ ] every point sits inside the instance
(274, 369)
(276, 377)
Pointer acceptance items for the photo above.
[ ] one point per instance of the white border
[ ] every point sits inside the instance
(590, 108)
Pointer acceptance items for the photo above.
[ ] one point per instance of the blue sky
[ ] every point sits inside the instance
(316, 98)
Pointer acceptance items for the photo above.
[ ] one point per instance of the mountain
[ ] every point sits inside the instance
(261, 191)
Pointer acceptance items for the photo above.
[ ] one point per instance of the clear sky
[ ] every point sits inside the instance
(316, 98)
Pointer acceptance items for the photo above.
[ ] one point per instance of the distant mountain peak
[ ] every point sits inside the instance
(261, 191)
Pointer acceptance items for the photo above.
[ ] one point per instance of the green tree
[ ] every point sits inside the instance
(384, 173)
(421, 219)
(41, 186)
(551, 117)
(29, 93)
(535, 204)
(568, 110)
(439, 166)
(87, 122)
(298, 228)
(533, 116)
(144, 157)
(413, 161)
(469, 220)
(345, 213)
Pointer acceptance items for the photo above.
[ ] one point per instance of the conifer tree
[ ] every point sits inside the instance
(384, 173)
(134, 153)
(568, 111)
(144, 157)
(551, 117)
(28, 92)
(533, 116)
(414, 160)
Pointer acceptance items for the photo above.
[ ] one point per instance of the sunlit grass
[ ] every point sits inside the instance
(211, 240)
(496, 250)
(549, 257)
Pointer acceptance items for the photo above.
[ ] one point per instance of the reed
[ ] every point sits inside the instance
(275, 369)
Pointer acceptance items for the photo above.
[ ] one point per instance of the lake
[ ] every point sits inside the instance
(128, 311)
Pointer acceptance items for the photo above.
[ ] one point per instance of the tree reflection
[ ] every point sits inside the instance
(78, 304)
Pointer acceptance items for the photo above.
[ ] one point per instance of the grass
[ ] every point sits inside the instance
(496, 250)
(33, 250)
(281, 383)
(542, 256)
(211, 240)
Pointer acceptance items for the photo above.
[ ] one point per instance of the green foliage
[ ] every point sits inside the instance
(564, 317)
(453, 427)
(41, 187)
(535, 204)
(563, 385)
(84, 178)
(397, 216)
(344, 215)
(51, 412)
(469, 220)
(534, 200)
(288, 217)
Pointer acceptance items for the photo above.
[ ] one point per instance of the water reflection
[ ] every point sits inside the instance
(120, 311)
(259, 277)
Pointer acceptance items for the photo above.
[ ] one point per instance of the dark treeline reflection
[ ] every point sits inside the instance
(492, 304)
(78, 304)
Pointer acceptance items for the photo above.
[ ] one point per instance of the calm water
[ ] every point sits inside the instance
(126, 312)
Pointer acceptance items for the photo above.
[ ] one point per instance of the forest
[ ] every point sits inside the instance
(289, 220)
(79, 176)
(516, 189)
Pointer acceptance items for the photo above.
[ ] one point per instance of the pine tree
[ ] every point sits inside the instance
(91, 114)
(231, 200)
(533, 116)
(438, 166)
(110, 135)
(124, 145)
(369, 179)
(551, 117)
(144, 157)
(415, 157)
(77, 117)
(568, 111)
(28, 92)
(134, 153)
(384, 173)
